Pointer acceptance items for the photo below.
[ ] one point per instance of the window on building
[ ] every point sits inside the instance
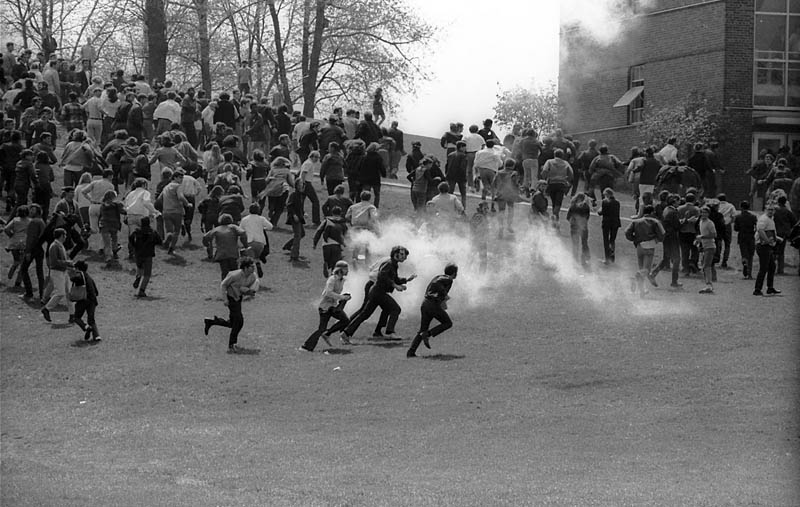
(777, 53)
(636, 108)
(633, 99)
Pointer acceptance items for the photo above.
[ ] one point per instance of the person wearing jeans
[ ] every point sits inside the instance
(237, 284)
(766, 241)
(57, 260)
(330, 306)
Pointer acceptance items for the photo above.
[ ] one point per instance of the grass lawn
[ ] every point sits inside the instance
(556, 386)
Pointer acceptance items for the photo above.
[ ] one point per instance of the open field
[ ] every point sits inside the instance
(554, 388)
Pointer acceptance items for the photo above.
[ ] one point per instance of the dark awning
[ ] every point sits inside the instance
(629, 96)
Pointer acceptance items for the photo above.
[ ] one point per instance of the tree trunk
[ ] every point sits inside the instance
(259, 31)
(155, 22)
(311, 60)
(276, 28)
(205, 44)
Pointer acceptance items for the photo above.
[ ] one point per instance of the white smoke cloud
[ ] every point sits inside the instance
(536, 258)
(602, 20)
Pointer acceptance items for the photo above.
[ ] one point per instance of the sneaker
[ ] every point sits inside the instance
(208, 324)
(757, 293)
(234, 349)
(96, 339)
(140, 295)
(46, 315)
(344, 339)
(773, 291)
(136, 282)
(378, 334)
(303, 349)
(707, 290)
(171, 252)
(393, 337)
(652, 279)
(87, 335)
(425, 341)
(26, 296)
(326, 339)
(410, 354)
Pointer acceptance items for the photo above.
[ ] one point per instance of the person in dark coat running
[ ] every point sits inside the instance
(434, 306)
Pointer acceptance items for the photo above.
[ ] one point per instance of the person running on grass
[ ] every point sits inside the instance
(387, 282)
(237, 284)
(434, 306)
(330, 306)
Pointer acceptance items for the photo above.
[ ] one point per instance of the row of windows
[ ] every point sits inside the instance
(777, 53)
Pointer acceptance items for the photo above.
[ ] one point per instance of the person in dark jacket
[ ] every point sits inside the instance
(367, 130)
(226, 112)
(294, 218)
(352, 166)
(371, 170)
(33, 252)
(387, 282)
(671, 222)
(456, 170)
(331, 133)
(24, 177)
(144, 241)
(332, 231)
(331, 171)
(81, 278)
(609, 210)
(434, 306)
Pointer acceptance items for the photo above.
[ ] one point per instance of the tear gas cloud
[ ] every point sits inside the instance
(602, 20)
(534, 258)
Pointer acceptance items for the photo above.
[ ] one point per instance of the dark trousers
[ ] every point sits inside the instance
(191, 133)
(188, 215)
(747, 249)
(672, 258)
(336, 312)
(310, 192)
(376, 193)
(332, 184)
(144, 270)
(26, 278)
(766, 266)
(87, 307)
(235, 320)
(389, 315)
(42, 198)
(780, 256)
(276, 205)
(462, 189)
(726, 238)
(609, 237)
(293, 245)
(331, 254)
(430, 310)
(689, 252)
(226, 266)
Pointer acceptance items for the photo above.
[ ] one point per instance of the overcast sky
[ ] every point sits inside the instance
(480, 52)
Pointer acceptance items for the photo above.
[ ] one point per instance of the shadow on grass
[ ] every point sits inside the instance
(191, 246)
(263, 288)
(385, 345)
(176, 260)
(241, 351)
(301, 264)
(61, 325)
(82, 344)
(148, 298)
(337, 352)
(443, 357)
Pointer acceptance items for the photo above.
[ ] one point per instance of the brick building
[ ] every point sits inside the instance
(742, 55)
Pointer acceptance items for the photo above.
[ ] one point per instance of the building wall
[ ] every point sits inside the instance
(685, 46)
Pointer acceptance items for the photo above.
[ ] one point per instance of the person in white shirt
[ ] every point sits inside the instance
(256, 227)
(487, 163)
(191, 188)
(94, 115)
(474, 142)
(307, 169)
(728, 211)
(446, 206)
(236, 284)
(669, 153)
(138, 203)
(330, 306)
(167, 113)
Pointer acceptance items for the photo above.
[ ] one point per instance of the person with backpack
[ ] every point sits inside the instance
(362, 216)
(434, 306)
(332, 231)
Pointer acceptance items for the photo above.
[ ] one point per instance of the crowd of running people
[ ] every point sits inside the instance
(108, 137)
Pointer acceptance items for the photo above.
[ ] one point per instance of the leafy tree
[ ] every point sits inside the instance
(525, 107)
(691, 120)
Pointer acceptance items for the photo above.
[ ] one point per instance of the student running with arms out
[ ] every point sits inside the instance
(434, 306)
(237, 284)
(387, 282)
(330, 306)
